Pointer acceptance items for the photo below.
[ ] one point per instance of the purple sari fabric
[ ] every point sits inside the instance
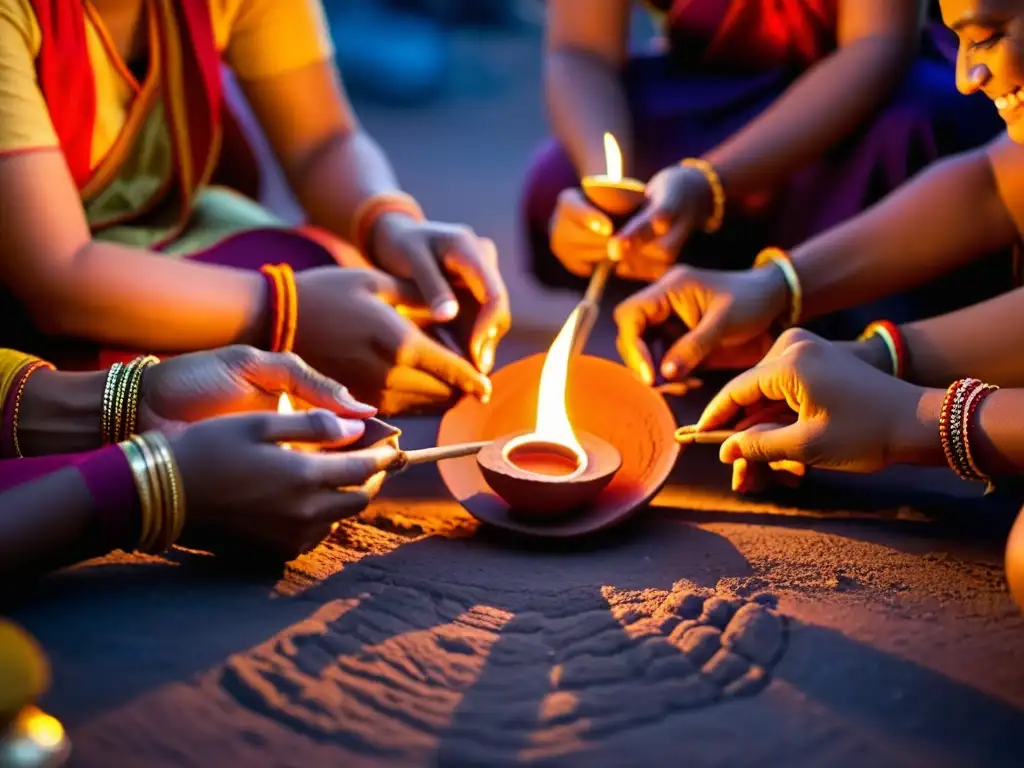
(678, 114)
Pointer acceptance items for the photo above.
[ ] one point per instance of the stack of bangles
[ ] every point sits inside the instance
(154, 470)
(894, 343)
(714, 221)
(160, 489)
(956, 421)
(781, 259)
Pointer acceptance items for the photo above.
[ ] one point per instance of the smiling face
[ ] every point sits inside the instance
(991, 55)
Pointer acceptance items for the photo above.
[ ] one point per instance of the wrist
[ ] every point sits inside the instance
(915, 439)
(381, 231)
(775, 288)
(872, 351)
(61, 412)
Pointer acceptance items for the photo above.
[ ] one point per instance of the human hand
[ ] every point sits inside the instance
(728, 315)
(838, 412)
(234, 379)
(349, 328)
(240, 483)
(434, 256)
(679, 201)
(580, 233)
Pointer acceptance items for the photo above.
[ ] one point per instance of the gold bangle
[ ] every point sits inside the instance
(714, 221)
(781, 259)
(140, 475)
(137, 368)
(157, 495)
(107, 414)
(31, 368)
(120, 401)
(175, 485)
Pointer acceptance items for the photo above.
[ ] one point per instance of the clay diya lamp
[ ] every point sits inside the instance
(619, 198)
(531, 477)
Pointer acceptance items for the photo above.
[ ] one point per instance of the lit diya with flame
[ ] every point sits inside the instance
(580, 452)
(549, 470)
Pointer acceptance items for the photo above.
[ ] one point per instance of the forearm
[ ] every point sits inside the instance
(983, 341)
(126, 297)
(946, 217)
(798, 128)
(585, 99)
(997, 434)
(61, 510)
(61, 412)
(335, 179)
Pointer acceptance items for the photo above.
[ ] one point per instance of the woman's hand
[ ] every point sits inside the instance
(842, 413)
(679, 201)
(435, 256)
(202, 385)
(240, 483)
(349, 327)
(728, 315)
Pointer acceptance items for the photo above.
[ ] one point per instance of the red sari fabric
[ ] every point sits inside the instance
(751, 34)
(191, 89)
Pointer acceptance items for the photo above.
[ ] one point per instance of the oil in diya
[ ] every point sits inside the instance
(550, 471)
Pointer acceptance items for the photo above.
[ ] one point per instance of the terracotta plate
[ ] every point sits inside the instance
(604, 399)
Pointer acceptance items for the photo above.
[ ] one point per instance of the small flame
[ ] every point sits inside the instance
(553, 424)
(284, 405)
(612, 158)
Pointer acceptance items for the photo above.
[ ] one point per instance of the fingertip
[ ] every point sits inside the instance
(729, 452)
(353, 406)
(444, 310)
(669, 369)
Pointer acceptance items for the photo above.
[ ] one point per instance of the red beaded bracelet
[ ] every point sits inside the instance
(956, 420)
(894, 341)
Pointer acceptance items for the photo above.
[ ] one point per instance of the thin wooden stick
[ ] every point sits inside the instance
(437, 453)
(689, 435)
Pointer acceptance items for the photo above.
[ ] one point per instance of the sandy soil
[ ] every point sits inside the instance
(864, 625)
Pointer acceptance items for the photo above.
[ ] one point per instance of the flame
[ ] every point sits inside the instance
(284, 405)
(553, 424)
(612, 158)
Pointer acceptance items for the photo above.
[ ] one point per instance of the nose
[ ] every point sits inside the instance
(971, 78)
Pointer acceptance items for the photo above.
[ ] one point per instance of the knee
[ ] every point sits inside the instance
(550, 172)
(1015, 560)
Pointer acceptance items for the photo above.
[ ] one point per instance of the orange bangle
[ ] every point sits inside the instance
(372, 208)
(284, 306)
(714, 222)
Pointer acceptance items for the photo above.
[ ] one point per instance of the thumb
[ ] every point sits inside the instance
(766, 443)
(318, 427)
(430, 279)
(287, 372)
(696, 344)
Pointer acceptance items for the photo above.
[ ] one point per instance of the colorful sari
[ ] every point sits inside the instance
(179, 178)
(728, 60)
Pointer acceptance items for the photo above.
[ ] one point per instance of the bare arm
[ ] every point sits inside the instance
(74, 286)
(583, 60)
(947, 216)
(331, 164)
(877, 42)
